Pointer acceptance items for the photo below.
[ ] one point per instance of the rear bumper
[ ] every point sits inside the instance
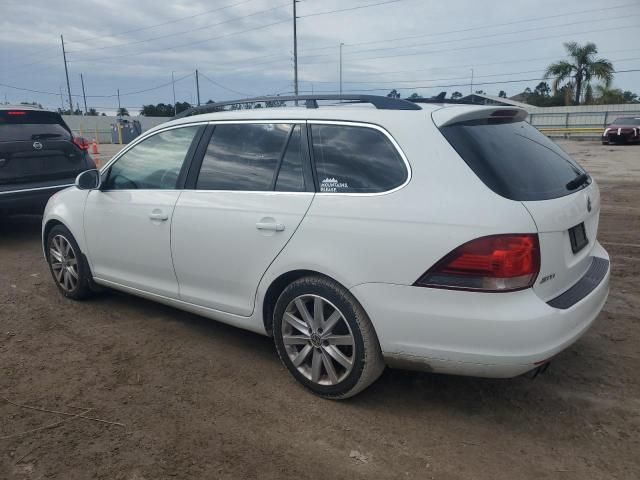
(497, 335)
(31, 199)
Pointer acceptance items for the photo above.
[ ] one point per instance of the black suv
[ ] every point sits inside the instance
(38, 156)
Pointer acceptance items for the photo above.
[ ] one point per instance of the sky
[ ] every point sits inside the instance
(244, 48)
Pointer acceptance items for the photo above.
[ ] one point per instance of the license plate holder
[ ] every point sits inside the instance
(578, 237)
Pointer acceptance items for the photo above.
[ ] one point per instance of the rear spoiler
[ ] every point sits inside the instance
(458, 114)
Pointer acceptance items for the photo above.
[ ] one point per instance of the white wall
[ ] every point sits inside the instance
(87, 126)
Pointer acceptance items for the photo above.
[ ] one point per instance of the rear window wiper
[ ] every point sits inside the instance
(37, 136)
(578, 181)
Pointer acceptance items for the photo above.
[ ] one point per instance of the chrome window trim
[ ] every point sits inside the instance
(36, 189)
(287, 121)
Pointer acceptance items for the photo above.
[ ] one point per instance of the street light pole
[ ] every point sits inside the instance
(295, 50)
(198, 87)
(341, 45)
(83, 94)
(173, 85)
(66, 72)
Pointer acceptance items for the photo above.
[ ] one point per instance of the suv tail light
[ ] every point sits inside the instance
(498, 263)
(81, 142)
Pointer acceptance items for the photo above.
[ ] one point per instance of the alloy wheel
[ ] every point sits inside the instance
(64, 263)
(318, 340)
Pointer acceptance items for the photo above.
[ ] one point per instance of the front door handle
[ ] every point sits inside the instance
(271, 226)
(158, 214)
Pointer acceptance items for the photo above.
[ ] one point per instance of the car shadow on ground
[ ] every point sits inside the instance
(402, 391)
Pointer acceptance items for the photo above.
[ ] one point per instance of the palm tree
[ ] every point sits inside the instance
(581, 68)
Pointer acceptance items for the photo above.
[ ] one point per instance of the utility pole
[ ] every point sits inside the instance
(197, 87)
(118, 103)
(295, 50)
(66, 72)
(61, 100)
(83, 94)
(471, 86)
(341, 44)
(173, 85)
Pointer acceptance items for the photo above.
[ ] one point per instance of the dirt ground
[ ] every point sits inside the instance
(200, 400)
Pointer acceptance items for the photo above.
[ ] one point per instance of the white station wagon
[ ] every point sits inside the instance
(363, 233)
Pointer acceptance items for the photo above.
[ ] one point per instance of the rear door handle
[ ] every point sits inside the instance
(158, 214)
(271, 226)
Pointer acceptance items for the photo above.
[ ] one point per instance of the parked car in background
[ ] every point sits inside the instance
(445, 238)
(38, 156)
(622, 130)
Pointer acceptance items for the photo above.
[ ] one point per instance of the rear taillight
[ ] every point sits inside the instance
(81, 142)
(498, 263)
(16, 112)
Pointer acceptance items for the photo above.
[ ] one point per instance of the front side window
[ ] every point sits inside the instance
(248, 157)
(154, 163)
(352, 159)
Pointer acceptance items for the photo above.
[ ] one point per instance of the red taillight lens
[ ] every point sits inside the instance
(498, 263)
(81, 142)
(16, 112)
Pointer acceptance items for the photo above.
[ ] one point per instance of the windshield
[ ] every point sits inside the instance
(514, 159)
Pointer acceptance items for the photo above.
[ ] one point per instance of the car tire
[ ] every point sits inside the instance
(67, 264)
(332, 349)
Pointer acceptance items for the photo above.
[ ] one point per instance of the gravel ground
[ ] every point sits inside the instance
(196, 399)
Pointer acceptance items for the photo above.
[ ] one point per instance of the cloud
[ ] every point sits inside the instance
(248, 46)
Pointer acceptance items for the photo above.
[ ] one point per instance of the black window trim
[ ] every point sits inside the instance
(198, 158)
(372, 126)
(186, 164)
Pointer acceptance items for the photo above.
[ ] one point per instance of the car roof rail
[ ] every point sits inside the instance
(310, 101)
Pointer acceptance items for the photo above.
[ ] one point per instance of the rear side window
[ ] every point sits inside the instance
(248, 157)
(351, 159)
(513, 159)
(25, 125)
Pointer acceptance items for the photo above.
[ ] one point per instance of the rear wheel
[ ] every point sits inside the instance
(325, 338)
(68, 266)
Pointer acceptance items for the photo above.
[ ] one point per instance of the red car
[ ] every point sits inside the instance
(622, 130)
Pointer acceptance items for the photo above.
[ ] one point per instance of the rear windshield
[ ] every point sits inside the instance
(20, 125)
(513, 159)
(626, 121)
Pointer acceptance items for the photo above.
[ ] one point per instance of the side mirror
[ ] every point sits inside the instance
(88, 180)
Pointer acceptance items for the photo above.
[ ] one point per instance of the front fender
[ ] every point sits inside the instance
(67, 207)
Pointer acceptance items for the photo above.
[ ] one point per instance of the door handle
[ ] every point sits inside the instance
(158, 214)
(271, 226)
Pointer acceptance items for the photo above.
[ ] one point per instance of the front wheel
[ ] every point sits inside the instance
(325, 338)
(68, 266)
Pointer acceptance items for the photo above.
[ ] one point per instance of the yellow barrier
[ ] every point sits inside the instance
(594, 130)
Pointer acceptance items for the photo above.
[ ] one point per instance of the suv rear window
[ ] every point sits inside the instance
(25, 125)
(514, 159)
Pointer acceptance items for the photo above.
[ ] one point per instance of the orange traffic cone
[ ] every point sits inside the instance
(94, 147)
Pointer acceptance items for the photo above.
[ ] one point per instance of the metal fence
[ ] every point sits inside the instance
(584, 121)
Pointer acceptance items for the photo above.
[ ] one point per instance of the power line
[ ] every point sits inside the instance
(253, 29)
(224, 87)
(546, 37)
(480, 27)
(416, 45)
(184, 32)
(349, 8)
(159, 24)
(97, 96)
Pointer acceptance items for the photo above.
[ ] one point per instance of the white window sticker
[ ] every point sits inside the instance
(332, 185)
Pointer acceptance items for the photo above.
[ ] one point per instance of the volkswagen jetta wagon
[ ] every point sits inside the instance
(370, 232)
